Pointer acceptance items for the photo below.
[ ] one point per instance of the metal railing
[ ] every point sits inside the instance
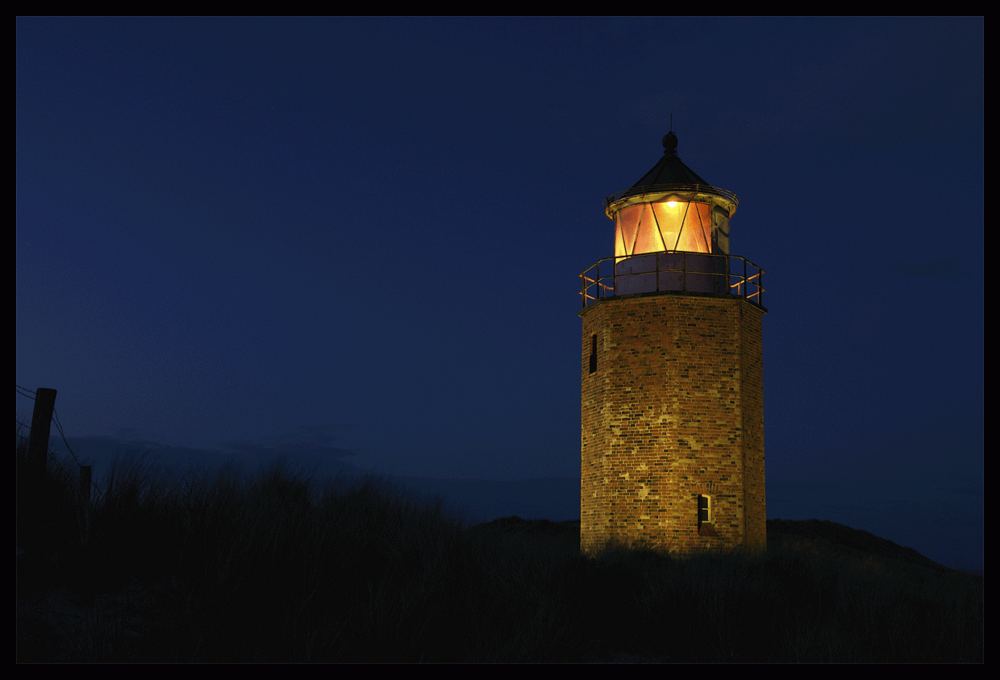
(673, 272)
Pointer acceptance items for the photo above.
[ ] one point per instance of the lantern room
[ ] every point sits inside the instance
(672, 235)
(671, 209)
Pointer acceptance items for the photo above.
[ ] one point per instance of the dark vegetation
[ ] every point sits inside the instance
(269, 569)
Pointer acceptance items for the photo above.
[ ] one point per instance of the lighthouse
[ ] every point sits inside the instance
(672, 392)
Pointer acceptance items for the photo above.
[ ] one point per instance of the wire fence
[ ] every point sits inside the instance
(25, 429)
(95, 490)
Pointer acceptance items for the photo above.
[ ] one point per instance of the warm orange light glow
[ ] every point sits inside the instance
(663, 226)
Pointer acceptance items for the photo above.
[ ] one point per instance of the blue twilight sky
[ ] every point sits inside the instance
(366, 233)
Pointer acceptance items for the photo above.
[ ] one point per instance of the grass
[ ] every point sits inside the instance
(271, 569)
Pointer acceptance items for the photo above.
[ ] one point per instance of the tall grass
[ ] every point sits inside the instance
(270, 569)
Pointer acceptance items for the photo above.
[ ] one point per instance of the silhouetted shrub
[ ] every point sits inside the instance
(271, 569)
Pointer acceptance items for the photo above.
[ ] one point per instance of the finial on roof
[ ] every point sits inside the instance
(670, 143)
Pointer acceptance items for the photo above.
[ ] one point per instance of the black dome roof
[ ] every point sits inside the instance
(670, 174)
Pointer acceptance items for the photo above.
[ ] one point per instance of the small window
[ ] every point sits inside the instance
(704, 510)
(593, 353)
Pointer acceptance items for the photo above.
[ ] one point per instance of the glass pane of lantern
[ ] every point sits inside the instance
(696, 236)
(705, 213)
(669, 215)
(647, 239)
(626, 220)
(619, 243)
(720, 225)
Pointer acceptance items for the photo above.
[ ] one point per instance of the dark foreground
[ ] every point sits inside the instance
(267, 570)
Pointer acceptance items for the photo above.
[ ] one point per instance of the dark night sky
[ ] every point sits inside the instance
(367, 232)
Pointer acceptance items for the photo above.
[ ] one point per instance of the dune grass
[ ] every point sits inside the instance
(271, 569)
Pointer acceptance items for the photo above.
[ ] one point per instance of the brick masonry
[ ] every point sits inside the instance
(674, 409)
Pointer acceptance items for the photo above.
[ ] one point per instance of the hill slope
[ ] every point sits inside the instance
(271, 570)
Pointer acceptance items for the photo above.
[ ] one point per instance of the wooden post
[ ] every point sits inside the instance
(84, 507)
(85, 484)
(41, 422)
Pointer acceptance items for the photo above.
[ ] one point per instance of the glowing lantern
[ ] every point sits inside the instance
(664, 218)
(671, 208)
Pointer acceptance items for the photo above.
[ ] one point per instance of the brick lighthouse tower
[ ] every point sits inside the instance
(672, 396)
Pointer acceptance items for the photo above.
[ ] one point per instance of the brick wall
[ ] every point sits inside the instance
(752, 392)
(674, 410)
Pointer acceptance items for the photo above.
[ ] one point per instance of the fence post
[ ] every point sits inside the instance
(85, 484)
(41, 422)
(84, 505)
